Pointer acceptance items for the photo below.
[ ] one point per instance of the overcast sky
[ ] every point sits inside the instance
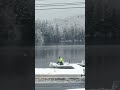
(58, 13)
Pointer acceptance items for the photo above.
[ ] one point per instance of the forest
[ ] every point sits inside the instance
(45, 33)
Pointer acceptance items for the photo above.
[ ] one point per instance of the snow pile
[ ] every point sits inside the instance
(77, 89)
(78, 70)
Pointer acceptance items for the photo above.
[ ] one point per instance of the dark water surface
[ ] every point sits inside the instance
(58, 86)
(46, 54)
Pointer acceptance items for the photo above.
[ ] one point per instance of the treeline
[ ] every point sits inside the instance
(45, 32)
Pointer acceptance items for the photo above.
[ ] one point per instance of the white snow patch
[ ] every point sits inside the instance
(77, 89)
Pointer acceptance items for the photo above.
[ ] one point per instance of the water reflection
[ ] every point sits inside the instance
(46, 54)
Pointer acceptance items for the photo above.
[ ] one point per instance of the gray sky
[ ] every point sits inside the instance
(58, 13)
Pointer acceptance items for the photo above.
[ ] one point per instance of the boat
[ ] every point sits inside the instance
(56, 71)
(67, 65)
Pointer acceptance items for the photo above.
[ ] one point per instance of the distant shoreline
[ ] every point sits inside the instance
(61, 43)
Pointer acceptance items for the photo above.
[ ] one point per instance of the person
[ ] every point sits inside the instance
(60, 61)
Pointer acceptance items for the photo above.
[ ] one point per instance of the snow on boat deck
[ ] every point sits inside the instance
(58, 73)
(51, 73)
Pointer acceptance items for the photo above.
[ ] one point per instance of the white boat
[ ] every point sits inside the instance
(68, 70)
(67, 65)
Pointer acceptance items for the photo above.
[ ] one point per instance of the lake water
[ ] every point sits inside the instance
(50, 53)
(46, 54)
(58, 86)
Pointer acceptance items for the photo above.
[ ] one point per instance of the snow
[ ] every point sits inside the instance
(75, 21)
(49, 71)
(77, 89)
(54, 71)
